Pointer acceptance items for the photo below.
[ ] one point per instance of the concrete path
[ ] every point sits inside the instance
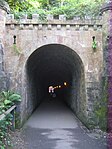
(54, 126)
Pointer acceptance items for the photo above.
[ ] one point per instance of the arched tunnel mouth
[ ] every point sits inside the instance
(58, 66)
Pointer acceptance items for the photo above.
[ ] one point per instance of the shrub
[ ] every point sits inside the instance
(7, 100)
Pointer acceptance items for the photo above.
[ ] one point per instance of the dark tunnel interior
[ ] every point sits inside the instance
(52, 65)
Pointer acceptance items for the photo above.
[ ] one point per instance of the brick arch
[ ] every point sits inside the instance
(52, 64)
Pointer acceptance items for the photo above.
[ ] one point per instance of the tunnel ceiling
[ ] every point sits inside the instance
(54, 63)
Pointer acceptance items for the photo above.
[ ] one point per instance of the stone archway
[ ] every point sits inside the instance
(54, 64)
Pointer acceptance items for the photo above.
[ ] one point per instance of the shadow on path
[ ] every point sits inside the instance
(54, 126)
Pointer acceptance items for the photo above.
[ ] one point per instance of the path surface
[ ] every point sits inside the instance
(54, 126)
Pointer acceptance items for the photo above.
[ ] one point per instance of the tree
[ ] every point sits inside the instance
(70, 8)
(18, 5)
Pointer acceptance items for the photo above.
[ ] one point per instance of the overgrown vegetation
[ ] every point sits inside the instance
(94, 44)
(16, 49)
(7, 100)
(69, 8)
(101, 107)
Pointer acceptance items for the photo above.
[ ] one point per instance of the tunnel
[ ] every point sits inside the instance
(58, 66)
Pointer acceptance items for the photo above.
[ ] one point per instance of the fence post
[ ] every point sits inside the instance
(13, 119)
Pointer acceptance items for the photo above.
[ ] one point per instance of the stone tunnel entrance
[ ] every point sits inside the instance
(52, 65)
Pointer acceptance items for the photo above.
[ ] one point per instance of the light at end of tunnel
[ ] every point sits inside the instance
(59, 86)
(65, 83)
(55, 87)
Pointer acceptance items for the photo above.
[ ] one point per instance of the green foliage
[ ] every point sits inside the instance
(70, 8)
(94, 45)
(7, 100)
(18, 5)
(16, 49)
(5, 125)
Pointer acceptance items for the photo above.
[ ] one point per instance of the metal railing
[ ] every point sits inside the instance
(12, 111)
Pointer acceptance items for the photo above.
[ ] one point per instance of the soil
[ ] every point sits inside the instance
(17, 140)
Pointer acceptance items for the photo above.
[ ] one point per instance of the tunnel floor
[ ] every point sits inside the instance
(52, 113)
(54, 126)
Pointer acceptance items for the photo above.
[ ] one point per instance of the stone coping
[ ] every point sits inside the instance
(51, 20)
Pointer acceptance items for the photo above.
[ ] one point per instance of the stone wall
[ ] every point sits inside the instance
(76, 34)
(3, 76)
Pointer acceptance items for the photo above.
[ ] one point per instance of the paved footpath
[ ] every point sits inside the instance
(54, 126)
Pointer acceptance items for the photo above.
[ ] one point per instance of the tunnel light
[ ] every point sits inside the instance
(55, 87)
(65, 83)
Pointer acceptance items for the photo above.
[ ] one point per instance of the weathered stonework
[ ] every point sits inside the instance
(71, 41)
(107, 46)
(3, 77)
(73, 34)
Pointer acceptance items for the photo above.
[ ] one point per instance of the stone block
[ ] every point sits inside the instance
(21, 26)
(62, 17)
(77, 27)
(50, 17)
(30, 27)
(86, 27)
(40, 26)
(58, 27)
(49, 27)
(76, 18)
(10, 17)
(35, 17)
(23, 18)
(67, 27)
(95, 27)
(88, 17)
(12, 26)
